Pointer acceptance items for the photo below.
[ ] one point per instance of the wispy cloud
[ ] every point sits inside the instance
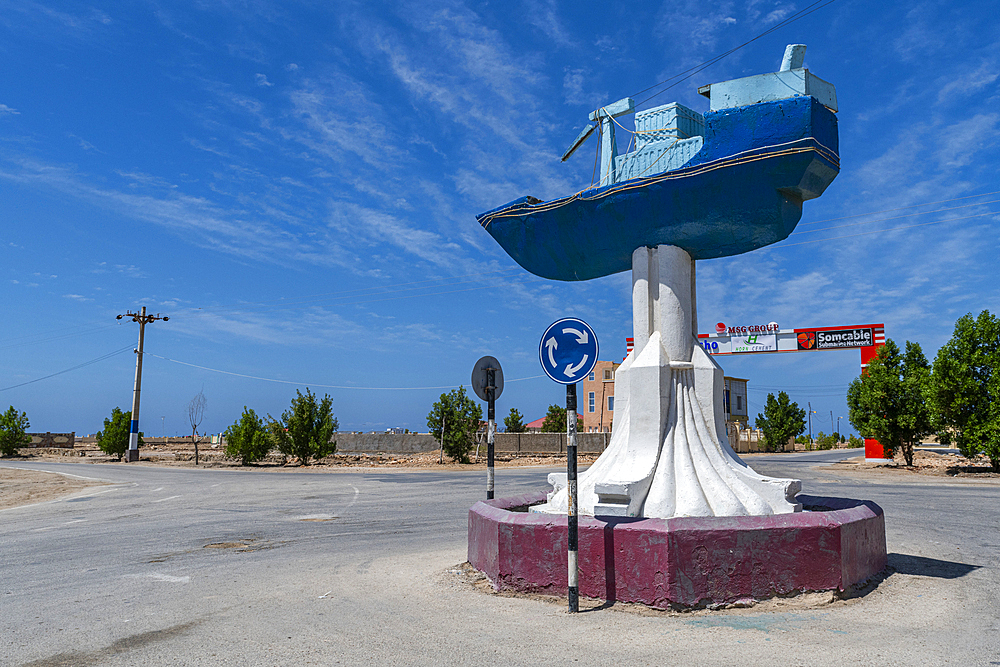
(8, 111)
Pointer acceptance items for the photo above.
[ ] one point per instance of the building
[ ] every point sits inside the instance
(735, 401)
(535, 426)
(595, 405)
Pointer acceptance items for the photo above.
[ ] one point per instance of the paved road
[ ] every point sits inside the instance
(353, 568)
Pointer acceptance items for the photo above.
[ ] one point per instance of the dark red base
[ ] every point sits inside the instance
(682, 562)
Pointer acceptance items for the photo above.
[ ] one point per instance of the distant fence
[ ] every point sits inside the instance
(748, 440)
(504, 443)
(60, 440)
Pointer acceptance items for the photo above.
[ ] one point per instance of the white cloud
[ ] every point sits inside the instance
(261, 80)
(7, 111)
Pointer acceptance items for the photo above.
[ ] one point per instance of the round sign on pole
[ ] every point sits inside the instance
(568, 350)
(480, 380)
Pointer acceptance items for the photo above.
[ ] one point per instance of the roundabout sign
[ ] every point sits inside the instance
(568, 350)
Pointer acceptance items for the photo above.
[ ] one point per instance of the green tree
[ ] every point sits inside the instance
(453, 421)
(247, 439)
(113, 440)
(12, 431)
(782, 419)
(887, 402)
(514, 422)
(964, 392)
(306, 429)
(555, 420)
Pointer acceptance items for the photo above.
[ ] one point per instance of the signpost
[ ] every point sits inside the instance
(568, 351)
(487, 382)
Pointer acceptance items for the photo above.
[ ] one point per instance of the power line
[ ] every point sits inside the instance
(73, 334)
(880, 231)
(86, 363)
(326, 296)
(903, 208)
(688, 73)
(324, 386)
(899, 217)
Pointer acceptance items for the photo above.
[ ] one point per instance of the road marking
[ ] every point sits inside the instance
(39, 530)
(155, 490)
(157, 576)
(355, 498)
(164, 499)
(74, 521)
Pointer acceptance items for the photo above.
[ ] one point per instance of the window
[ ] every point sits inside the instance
(608, 374)
(591, 378)
(611, 403)
(725, 402)
(590, 402)
(739, 403)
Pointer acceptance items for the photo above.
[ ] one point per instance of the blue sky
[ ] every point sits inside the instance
(295, 185)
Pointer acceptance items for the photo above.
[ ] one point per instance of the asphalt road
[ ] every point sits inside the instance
(356, 568)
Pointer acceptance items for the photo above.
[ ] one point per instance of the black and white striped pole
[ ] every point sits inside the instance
(487, 382)
(568, 351)
(571, 514)
(491, 427)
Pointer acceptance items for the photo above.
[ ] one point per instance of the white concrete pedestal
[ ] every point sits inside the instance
(666, 457)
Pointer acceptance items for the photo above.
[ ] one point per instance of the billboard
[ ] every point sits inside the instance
(755, 343)
(838, 338)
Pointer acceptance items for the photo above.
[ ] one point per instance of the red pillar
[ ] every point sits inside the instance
(873, 448)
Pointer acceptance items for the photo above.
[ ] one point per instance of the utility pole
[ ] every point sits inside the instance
(810, 422)
(831, 420)
(133, 437)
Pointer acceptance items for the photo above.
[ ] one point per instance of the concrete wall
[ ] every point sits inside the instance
(61, 440)
(507, 443)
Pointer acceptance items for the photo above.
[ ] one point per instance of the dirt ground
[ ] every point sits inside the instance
(27, 487)
(926, 463)
(182, 455)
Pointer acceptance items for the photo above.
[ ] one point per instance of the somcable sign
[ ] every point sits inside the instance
(826, 340)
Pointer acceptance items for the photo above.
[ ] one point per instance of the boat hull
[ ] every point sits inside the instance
(742, 191)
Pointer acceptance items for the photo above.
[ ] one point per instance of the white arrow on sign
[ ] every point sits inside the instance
(552, 344)
(571, 370)
(581, 336)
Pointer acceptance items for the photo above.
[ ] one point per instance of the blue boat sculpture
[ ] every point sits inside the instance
(719, 184)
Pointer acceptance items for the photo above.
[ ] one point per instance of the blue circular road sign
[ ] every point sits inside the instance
(568, 350)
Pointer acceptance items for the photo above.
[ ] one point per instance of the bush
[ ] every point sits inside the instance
(555, 420)
(12, 432)
(514, 422)
(824, 441)
(247, 439)
(964, 391)
(855, 442)
(113, 440)
(461, 417)
(887, 401)
(306, 429)
(782, 419)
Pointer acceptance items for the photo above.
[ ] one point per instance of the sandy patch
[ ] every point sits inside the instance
(27, 487)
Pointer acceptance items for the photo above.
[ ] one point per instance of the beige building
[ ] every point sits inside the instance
(735, 401)
(595, 404)
(596, 401)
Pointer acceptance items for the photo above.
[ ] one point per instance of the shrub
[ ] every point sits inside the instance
(12, 431)
(453, 421)
(247, 439)
(306, 429)
(113, 440)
